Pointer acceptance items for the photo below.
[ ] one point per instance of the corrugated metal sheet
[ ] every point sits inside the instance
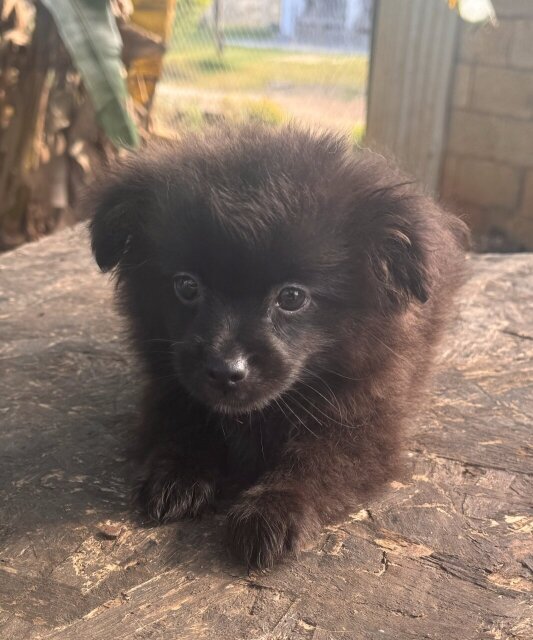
(413, 56)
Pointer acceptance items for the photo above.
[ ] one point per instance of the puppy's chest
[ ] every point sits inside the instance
(252, 446)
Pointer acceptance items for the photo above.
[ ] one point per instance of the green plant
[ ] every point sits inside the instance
(265, 111)
(89, 32)
(357, 133)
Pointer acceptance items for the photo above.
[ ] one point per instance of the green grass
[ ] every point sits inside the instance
(196, 62)
(251, 33)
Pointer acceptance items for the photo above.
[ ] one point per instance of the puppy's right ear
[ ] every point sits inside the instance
(117, 207)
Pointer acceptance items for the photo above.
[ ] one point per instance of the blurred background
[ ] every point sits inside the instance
(444, 86)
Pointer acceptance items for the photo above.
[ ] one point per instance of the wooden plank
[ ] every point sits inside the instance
(446, 552)
(412, 62)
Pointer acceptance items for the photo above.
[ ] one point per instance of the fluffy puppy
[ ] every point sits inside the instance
(285, 294)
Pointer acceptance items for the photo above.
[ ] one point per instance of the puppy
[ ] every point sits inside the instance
(285, 295)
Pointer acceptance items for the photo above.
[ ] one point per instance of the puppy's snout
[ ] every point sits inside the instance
(227, 372)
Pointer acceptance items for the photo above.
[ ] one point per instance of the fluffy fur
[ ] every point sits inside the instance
(311, 424)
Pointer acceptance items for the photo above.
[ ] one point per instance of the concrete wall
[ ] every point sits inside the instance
(488, 155)
(251, 13)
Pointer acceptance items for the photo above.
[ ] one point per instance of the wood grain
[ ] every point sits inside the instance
(445, 553)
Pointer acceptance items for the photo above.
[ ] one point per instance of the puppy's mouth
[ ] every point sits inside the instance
(238, 407)
(231, 401)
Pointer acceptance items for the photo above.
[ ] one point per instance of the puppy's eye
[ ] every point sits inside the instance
(186, 287)
(292, 298)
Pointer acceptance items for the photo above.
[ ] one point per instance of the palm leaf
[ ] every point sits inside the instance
(89, 32)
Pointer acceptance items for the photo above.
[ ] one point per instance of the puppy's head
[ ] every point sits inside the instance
(245, 258)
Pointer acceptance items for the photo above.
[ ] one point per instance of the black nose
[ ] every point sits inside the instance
(227, 371)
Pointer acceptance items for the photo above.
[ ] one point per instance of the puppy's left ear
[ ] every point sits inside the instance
(399, 263)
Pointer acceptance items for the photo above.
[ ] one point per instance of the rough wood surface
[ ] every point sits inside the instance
(446, 553)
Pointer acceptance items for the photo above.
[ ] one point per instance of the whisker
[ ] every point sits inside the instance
(341, 375)
(297, 416)
(286, 416)
(330, 418)
(166, 341)
(398, 355)
(304, 408)
(286, 405)
(260, 437)
(338, 407)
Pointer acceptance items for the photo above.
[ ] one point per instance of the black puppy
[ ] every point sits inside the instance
(285, 294)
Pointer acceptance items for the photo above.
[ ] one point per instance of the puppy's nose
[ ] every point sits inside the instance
(227, 372)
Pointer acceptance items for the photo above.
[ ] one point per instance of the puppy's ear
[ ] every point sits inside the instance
(399, 264)
(117, 205)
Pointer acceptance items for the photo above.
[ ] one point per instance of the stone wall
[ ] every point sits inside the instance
(488, 163)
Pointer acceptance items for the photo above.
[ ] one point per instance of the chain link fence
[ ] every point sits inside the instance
(266, 60)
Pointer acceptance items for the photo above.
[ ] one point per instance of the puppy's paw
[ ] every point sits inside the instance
(166, 493)
(265, 526)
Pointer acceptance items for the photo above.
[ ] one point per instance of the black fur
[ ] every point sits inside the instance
(314, 427)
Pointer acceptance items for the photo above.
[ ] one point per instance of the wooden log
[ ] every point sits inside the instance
(445, 553)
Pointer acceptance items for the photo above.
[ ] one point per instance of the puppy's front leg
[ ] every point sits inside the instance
(316, 482)
(180, 457)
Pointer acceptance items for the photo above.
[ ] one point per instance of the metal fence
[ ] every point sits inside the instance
(269, 60)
